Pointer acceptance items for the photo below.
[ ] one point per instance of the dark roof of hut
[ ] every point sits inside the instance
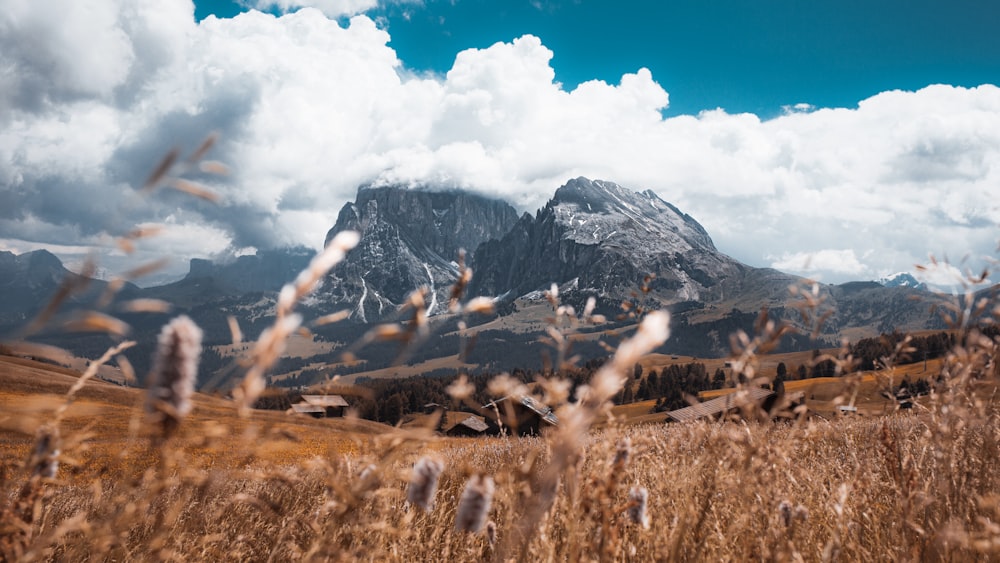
(325, 400)
(719, 405)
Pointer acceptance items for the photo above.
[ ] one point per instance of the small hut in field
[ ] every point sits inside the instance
(521, 415)
(320, 406)
(470, 426)
(756, 402)
(307, 409)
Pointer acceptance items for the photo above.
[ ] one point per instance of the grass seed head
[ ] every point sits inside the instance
(785, 512)
(475, 503)
(45, 457)
(424, 482)
(637, 514)
(491, 533)
(174, 372)
(623, 453)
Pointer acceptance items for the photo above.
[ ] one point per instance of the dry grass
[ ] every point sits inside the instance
(870, 489)
(269, 487)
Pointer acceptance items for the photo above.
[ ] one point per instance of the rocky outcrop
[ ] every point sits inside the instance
(607, 239)
(410, 238)
(265, 271)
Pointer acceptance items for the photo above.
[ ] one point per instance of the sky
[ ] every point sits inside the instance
(837, 140)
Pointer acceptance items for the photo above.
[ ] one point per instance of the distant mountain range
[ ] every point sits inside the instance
(29, 281)
(593, 238)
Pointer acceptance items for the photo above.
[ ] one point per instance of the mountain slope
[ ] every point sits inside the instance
(267, 270)
(409, 238)
(597, 238)
(28, 281)
(608, 239)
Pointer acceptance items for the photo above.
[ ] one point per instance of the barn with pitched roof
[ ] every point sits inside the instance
(321, 406)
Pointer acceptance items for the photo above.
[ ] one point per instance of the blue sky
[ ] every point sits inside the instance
(743, 56)
(854, 138)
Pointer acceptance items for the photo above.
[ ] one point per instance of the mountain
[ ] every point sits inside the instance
(28, 281)
(902, 279)
(601, 238)
(244, 287)
(409, 238)
(593, 238)
(267, 270)
(596, 238)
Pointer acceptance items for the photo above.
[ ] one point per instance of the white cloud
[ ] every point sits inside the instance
(331, 8)
(826, 260)
(308, 110)
(947, 277)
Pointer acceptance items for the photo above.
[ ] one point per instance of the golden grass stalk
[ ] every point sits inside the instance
(146, 306)
(89, 374)
(306, 281)
(575, 420)
(92, 321)
(195, 189)
(234, 330)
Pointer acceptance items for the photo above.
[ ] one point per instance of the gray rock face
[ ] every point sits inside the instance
(265, 271)
(608, 239)
(410, 238)
(32, 270)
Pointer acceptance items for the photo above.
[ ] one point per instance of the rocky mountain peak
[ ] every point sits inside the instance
(28, 281)
(443, 221)
(596, 195)
(35, 266)
(411, 237)
(597, 203)
(608, 238)
(902, 279)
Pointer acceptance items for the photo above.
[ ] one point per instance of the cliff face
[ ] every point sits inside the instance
(409, 238)
(265, 271)
(607, 239)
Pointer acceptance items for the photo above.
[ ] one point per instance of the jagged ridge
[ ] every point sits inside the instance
(608, 238)
(410, 238)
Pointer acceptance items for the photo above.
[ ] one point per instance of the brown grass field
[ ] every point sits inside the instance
(276, 487)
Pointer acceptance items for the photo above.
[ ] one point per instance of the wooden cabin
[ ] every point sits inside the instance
(755, 402)
(469, 426)
(520, 415)
(321, 406)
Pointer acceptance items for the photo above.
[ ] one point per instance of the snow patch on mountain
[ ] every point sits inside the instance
(902, 279)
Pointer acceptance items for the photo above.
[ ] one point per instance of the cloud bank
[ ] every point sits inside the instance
(308, 109)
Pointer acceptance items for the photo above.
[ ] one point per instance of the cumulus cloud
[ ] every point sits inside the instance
(310, 107)
(947, 277)
(826, 260)
(331, 8)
